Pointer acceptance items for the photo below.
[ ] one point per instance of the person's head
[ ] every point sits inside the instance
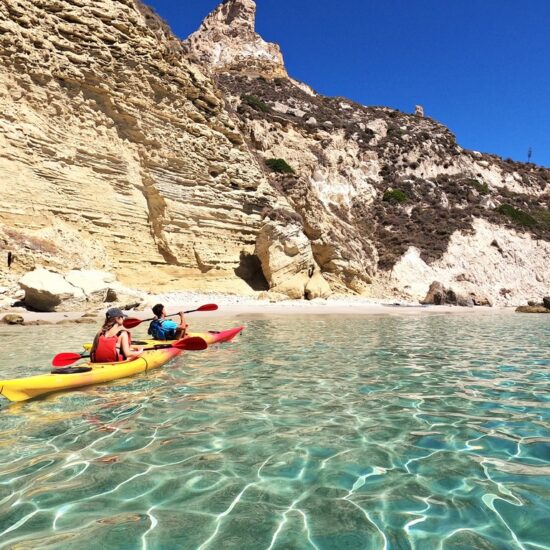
(158, 310)
(114, 316)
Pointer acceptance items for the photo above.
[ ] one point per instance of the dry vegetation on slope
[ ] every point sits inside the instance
(424, 187)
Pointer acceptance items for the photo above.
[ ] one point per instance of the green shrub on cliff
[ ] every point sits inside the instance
(517, 215)
(481, 188)
(395, 196)
(542, 217)
(256, 103)
(280, 165)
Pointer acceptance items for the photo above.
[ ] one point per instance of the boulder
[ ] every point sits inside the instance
(439, 295)
(464, 301)
(48, 291)
(287, 261)
(546, 302)
(94, 284)
(294, 287)
(284, 251)
(532, 309)
(13, 319)
(128, 306)
(436, 295)
(125, 298)
(480, 300)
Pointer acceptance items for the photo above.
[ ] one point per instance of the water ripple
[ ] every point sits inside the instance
(326, 433)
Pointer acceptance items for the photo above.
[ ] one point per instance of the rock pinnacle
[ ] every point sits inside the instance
(227, 41)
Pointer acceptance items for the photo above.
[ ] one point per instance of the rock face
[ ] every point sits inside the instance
(116, 152)
(124, 150)
(227, 42)
(375, 187)
(492, 261)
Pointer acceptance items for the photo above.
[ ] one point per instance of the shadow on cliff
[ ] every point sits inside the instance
(250, 271)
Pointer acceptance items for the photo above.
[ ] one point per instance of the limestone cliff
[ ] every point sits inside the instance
(375, 187)
(114, 149)
(175, 164)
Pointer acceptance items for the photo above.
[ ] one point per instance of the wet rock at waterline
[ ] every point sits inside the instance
(12, 319)
(532, 309)
(536, 307)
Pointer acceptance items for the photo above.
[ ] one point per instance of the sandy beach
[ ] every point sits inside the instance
(244, 306)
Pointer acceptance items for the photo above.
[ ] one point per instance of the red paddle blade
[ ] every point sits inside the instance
(65, 359)
(132, 322)
(192, 343)
(208, 307)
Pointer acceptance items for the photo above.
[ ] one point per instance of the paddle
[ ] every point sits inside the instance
(132, 322)
(191, 343)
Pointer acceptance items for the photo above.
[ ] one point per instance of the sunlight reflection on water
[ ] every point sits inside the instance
(375, 432)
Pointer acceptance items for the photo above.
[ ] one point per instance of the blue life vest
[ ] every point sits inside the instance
(159, 332)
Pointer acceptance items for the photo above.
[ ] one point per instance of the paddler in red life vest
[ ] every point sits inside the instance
(166, 329)
(112, 342)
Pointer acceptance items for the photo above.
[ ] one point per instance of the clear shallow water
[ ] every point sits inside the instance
(374, 432)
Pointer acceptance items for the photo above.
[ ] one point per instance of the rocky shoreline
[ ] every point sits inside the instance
(43, 297)
(242, 306)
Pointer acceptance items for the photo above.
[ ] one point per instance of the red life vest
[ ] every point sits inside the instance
(107, 351)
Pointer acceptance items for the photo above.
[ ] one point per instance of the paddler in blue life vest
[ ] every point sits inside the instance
(166, 329)
(112, 342)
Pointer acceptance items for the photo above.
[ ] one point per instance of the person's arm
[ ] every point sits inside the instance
(183, 326)
(128, 352)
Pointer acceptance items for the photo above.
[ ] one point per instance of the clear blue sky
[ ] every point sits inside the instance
(481, 67)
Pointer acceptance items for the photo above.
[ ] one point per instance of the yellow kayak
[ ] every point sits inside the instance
(21, 389)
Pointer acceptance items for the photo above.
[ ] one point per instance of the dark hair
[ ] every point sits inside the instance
(157, 310)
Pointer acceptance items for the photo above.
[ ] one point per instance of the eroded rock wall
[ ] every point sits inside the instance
(503, 264)
(115, 149)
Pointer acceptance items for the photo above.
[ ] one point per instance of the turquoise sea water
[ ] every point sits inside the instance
(382, 432)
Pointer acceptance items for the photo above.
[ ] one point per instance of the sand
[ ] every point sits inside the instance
(244, 306)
